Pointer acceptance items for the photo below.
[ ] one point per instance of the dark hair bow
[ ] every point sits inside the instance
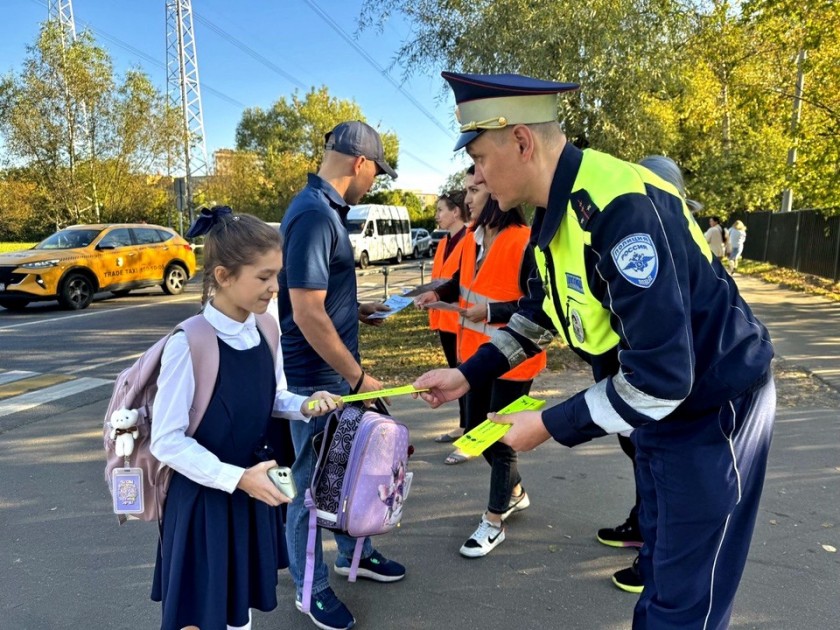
(208, 217)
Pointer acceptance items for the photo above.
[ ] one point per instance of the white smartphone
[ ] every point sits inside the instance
(281, 477)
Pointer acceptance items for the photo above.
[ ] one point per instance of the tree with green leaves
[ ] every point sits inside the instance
(419, 215)
(707, 82)
(81, 135)
(455, 181)
(289, 139)
(809, 27)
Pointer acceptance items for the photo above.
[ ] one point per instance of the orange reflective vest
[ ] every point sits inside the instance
(447, 321)
(497, 280)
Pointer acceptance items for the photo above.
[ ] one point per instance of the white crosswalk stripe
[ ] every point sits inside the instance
(14, 375)
(39, 397)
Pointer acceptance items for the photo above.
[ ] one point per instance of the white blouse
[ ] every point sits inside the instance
(176, 387)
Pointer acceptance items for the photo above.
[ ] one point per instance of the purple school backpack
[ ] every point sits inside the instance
(360, 482)
(136, 387)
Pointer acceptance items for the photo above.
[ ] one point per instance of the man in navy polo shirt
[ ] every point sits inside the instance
(319, 317)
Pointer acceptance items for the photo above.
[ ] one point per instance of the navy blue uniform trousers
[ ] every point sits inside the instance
(700, 481)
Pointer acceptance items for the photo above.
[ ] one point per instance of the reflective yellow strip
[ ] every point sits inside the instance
(31, 384)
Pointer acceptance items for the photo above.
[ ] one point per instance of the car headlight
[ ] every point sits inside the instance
(41, 264)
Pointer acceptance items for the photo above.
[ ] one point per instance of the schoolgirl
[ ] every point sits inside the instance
(219, 548)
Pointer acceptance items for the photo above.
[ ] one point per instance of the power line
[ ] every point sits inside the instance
(346, 37)
(160, 64)
(139, 53)
(421, 161)
(249, 51)
(269, 64)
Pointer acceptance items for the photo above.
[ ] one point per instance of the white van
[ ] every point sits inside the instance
(379, 233)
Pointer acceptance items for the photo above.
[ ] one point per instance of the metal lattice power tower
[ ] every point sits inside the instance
(61, 11)
(183, 89)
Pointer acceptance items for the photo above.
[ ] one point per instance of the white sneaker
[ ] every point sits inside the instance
(486, 538)
(517, 504)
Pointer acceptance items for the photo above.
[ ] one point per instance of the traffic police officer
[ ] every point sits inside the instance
(680, 362)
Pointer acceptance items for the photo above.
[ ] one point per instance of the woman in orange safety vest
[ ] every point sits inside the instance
(451, 216)
(496, 262)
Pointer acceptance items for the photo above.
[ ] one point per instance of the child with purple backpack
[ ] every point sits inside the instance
(219, 547)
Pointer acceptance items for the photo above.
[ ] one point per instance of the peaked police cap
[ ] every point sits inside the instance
(494, 101)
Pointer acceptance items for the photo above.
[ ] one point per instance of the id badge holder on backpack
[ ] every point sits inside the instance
(127, 490)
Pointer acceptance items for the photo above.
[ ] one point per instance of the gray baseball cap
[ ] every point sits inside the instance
(357, 138)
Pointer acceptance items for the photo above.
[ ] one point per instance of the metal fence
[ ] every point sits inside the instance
(806, 241)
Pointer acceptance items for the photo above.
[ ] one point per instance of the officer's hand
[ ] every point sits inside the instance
(476, 313)
(425, 298)
(527, 431)
(443, 385)
(369, 308)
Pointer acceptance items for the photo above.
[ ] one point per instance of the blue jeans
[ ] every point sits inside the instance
(297, 515)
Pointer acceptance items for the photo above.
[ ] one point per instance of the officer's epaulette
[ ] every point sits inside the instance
(583, 206)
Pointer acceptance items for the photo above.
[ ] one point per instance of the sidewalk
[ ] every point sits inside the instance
(66, 563)
(805, 328)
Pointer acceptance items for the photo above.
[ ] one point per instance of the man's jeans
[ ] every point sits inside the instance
(297, 515)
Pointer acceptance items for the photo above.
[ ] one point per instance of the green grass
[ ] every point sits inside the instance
(403, 348)
(13, 247)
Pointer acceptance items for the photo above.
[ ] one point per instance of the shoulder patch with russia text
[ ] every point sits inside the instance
(637, 260)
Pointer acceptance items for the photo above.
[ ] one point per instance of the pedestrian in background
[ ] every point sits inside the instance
(737, 238)
(680, 362)
(451, 216)
(716, 237)
(218, 552)
(319, 317)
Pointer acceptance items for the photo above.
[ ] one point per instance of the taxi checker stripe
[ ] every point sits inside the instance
(49, 394)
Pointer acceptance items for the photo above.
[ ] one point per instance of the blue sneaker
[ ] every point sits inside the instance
(376, 567)
(327, 611)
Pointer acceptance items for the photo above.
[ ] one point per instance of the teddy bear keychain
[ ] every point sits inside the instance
(124, 431)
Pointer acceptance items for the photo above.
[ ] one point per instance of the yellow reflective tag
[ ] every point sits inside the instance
(480, 438)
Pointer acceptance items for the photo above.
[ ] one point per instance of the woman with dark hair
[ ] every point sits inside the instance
(496, 262)
(451, 216)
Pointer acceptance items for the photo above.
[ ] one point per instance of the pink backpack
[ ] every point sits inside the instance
(360, 482)
(135, 389)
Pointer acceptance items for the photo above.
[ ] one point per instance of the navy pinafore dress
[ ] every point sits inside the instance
(219, 553)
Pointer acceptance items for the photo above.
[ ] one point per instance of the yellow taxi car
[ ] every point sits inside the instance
(75, 263)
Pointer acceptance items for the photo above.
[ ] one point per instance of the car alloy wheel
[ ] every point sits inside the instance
(174, 280)
(76, 292)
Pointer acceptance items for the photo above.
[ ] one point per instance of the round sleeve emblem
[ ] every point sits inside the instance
(636, 259)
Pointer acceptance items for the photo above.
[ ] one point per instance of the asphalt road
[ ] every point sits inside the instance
(66, 564)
